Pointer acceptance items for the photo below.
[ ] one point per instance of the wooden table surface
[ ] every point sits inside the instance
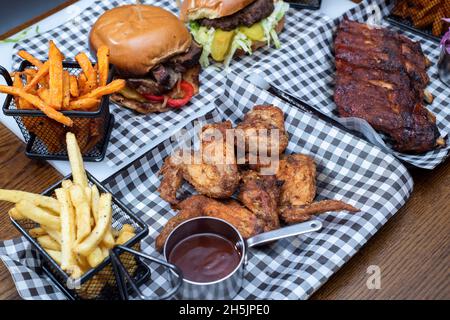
(411, 250)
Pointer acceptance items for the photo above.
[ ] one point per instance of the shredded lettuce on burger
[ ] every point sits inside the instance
(205, 36)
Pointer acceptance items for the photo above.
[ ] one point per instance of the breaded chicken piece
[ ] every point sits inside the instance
(216, 175)
(299, 190)
(260, 194)
(257, 129)
(241, 218)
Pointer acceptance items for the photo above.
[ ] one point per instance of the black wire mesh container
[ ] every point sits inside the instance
(45, 138)
(305, 4)
(98, 283)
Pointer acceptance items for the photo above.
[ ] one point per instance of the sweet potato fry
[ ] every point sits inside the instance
(88, 70)
(44, 94)
(66, 90)
(82, 84)
(43, 71)
(73, 86)
(56, 77)
(30, 58)
(84, 104)
(110, 88)
(51, 113)
(103, 65)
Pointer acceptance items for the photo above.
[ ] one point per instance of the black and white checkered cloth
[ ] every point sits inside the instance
(308, 72)
(132, 131)
(348, 168)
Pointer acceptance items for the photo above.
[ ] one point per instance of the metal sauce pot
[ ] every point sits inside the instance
(229, 285)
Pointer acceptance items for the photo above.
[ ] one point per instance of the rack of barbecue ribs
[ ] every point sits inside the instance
(381, 77)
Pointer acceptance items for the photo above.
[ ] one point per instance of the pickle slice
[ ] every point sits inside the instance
(255, 32)
(221, 44)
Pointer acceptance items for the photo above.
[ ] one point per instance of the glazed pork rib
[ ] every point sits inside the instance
(381, 77)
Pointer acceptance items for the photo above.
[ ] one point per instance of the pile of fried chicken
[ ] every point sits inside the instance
(263, 201)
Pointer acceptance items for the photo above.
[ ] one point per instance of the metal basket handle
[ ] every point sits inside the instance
(6, 75)
(123, 277)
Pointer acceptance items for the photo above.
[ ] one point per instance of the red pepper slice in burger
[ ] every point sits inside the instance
(153, 98)
(188, 93)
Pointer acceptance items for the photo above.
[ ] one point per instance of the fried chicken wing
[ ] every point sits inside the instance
(299, 190)
(190, 208)
(216, 175)
(257, 130)
(260, 194)
(241, 218)
(198, 205)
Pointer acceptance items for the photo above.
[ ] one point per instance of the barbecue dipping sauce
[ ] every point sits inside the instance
(205, 257)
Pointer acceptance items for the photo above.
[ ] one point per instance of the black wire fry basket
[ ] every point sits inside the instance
(45, 138)
(120, 274)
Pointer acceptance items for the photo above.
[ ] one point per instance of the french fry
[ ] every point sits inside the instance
(66, 90)
(68, 231)
(66, 184)
(26, 56)
(82, 84)
(103, 65)
(38, 215)
(15, 196)
(55, 255)
(56, 76)
(51, 113)
(38, 77)
(84, 104)
(74, 86)
(48, 243)
(76, 161)
(95, 197)
(54, 234)
(30, 72)
(124, 237)
(103, 223)
(37, 232)
(110, 88)
(44, 94)
(88, 70)
(95, 257)
(128, 228)
(15, 214)
(82, 212)
(108, 240)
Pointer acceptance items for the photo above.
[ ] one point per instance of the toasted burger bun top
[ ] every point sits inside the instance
(139, 37)
(211, 9)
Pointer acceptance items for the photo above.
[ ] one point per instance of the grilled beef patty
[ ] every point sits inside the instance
(248, 16)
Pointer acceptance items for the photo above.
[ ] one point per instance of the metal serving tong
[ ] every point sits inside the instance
(125, 280)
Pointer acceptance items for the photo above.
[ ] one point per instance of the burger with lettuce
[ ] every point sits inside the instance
(226, 28)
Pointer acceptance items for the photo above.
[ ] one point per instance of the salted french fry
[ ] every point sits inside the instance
(88, 70)
(76, 161)
(37, 232)
(66, 184)
(38, 77)
(95, 257)
(48, 243)
(68, 231)
(95, 197)
(82, 212)
(84, 104)
(110, 88)
(66, 90)
(56, 76)
(16, 196)
(103, 65)
(88, 192)
(73, 86)
(51, 113)
(55, 255)
(54, 234)
(30, 58)
(38, 215)
(103, 223)
(15, 214)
